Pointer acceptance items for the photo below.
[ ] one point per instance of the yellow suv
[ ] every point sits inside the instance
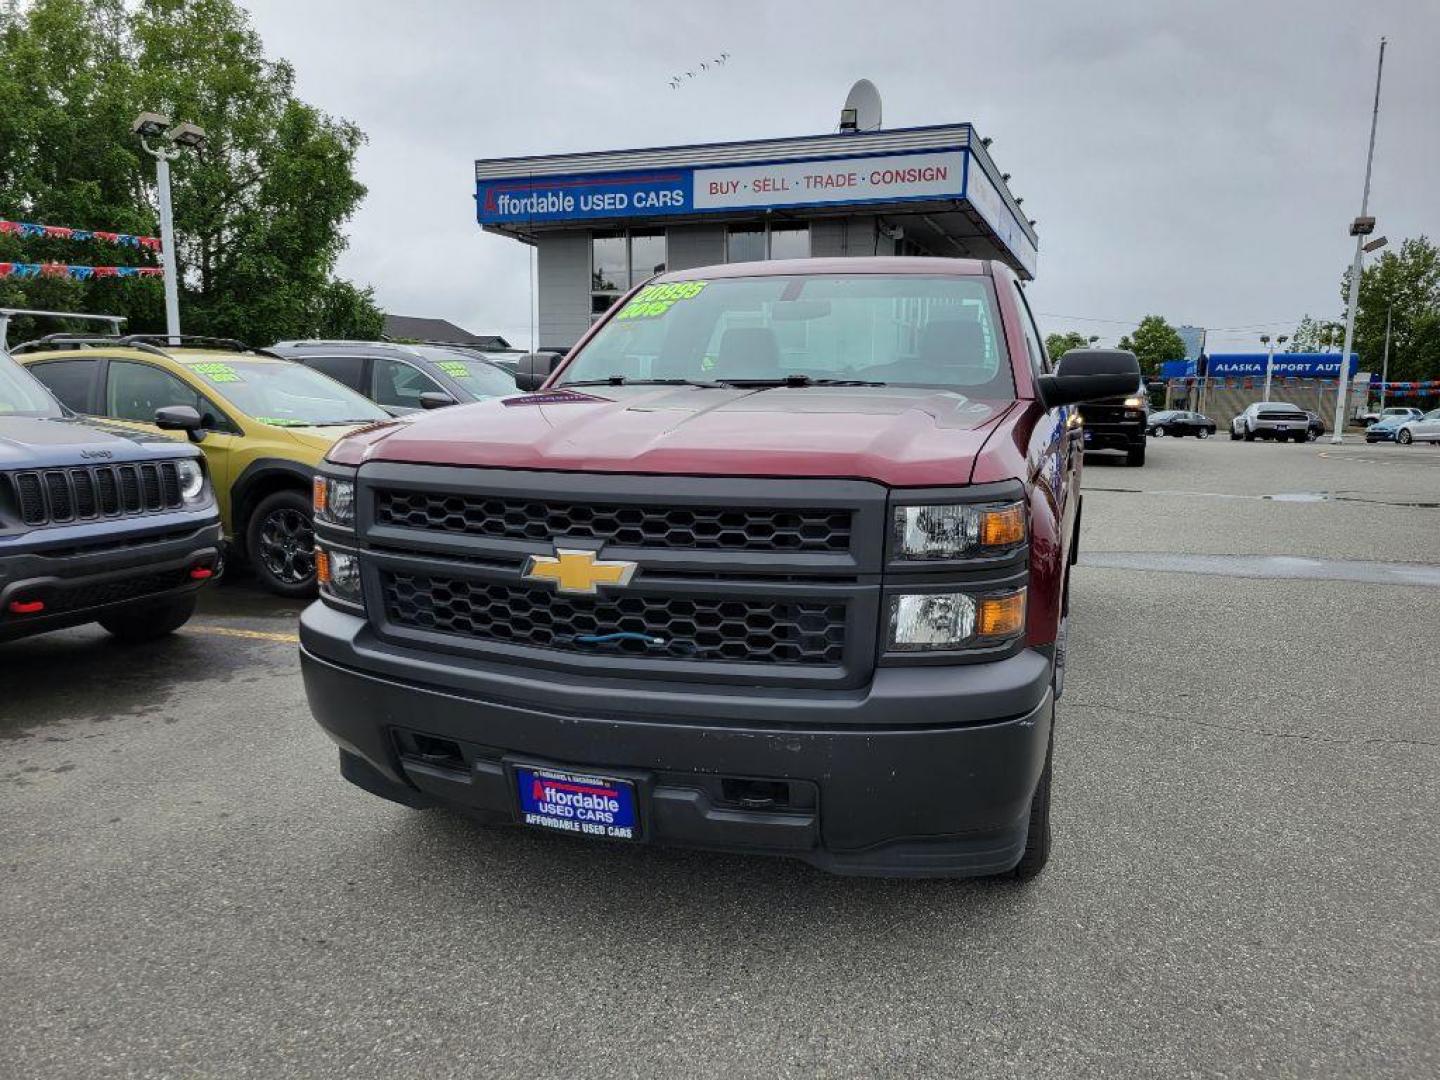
(264, 423)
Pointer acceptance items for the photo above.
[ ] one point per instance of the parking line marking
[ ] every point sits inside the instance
(235, 631)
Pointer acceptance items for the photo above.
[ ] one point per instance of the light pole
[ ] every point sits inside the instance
(1360, 228)
(170, 140)
(1270, 360)
(1385, 366)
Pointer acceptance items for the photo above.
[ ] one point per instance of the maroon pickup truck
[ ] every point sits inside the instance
(775, 560)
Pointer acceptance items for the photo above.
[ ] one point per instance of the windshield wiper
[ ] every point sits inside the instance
(800, 380)
(623, 380)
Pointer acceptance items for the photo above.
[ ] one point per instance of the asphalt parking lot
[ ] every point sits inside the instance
(1245, 877)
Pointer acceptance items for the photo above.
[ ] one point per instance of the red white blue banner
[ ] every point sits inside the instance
(75, 273)
(30, 229)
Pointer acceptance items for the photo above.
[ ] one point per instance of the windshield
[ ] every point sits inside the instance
(899, 330)
(482, 379)
(287, 394)
(21, 393)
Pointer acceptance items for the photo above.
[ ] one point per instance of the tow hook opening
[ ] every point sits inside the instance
(440, 753)
(755, 794)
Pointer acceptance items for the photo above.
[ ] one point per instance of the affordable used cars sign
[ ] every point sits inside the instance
(933, 175)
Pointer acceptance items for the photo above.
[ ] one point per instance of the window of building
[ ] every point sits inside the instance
(620, 260)
(745, 244)
(790, 241)
(786, 240)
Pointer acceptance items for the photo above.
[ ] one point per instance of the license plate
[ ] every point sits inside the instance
(1282, 427)
(580, 803)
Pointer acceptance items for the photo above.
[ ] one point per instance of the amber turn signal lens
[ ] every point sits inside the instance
(1001, 616)
(317, 498)
(1003, 527)
(322, 566)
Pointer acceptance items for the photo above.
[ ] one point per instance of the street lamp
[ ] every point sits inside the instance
(170, 141)
(1360, 228)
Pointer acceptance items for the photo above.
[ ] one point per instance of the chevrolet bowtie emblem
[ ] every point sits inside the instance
(578, 571)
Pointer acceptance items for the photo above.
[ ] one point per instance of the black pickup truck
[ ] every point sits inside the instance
(98, 522)
(1118, 424)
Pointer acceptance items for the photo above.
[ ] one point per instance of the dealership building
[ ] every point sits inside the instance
(602, 222)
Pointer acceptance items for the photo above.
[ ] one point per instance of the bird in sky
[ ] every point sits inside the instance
(705, 66)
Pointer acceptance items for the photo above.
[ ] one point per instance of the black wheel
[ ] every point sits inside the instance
(1301, 436)
(1135, 457)
(1249, 435)
(1234, 435)
(1404, 438)
(280, 542)
(1037, 841)
(1160, 432)
(146, 622)
(1202, 433)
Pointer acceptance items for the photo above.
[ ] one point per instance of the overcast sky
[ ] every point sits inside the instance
(1197, 160)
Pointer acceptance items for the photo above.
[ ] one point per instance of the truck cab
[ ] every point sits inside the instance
(98, 523)
(775, 560)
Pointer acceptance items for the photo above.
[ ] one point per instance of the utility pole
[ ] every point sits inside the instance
(1360, 228)
(1385, 368)
(171, 140)
(1269, 362)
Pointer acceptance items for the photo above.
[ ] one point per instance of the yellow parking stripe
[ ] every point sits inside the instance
(233, 631)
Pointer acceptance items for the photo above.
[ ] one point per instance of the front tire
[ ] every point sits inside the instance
(1135, 458)
(1234, 435)
(1203, 433)
(280, 542)
(1404, 438)
(146, 622)
(1160, 432)
(1037, 840)
(1249, 435)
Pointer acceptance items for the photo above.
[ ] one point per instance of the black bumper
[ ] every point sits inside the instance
(80, 574)
(1114, 436)
(928, 771)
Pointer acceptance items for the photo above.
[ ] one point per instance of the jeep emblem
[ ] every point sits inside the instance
(92, 454)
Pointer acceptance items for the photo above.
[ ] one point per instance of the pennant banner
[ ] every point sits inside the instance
(75, 273)
(63, 232)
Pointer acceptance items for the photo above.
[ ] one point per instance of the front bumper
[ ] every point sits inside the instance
(1114, 436)
(1373, 436)
(82, 573)
(928, 771)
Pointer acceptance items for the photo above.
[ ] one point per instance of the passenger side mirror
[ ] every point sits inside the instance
(1090, 375)
(435, 399)
(534, 368)
(180, 418)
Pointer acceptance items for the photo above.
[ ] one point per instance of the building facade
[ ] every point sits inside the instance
(604, 222)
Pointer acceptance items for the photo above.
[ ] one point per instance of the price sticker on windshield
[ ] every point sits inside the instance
(655, 300)
(218, 373)
(454, 368)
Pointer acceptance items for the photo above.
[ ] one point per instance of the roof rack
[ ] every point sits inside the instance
(83, 341)
(203, 341)
(6, 314)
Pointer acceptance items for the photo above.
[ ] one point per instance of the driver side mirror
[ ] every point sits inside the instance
(1089, 375)
(181, 418)
(435, 399)
(534, 368)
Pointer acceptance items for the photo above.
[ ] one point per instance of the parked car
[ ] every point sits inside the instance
(1424, 429)
(404, 378)
(1316, 427)
(1271, 420)
(1180, 422)
(1387, 428)
(98, 523)
(705, 590)
(1402, 411)
(263, 422)
(1119, 423)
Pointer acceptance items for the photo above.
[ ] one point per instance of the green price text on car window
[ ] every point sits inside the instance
(454, 369)
(218, 373)
(655, 300)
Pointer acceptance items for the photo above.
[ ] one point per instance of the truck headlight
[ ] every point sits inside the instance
(954, 530)
(338, 575)
(950, 621)
(1135, 401)
(191, 475)
(334, 500)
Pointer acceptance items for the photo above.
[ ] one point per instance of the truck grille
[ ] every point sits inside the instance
(767, 631)
(677, 527)
(55, 496)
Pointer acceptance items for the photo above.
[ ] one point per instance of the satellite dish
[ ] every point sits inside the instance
(862, 108)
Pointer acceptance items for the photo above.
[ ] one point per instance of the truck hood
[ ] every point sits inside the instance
(28, 442)
(900, 436)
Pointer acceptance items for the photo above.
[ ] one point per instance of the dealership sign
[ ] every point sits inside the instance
(1287, 365)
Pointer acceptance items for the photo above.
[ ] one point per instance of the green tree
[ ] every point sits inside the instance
(1406, 284)
(258, 211)
(1317, 335)
(1057, 345)
(1153, 342)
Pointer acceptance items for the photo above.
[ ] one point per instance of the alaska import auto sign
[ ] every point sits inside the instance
(885, 178)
